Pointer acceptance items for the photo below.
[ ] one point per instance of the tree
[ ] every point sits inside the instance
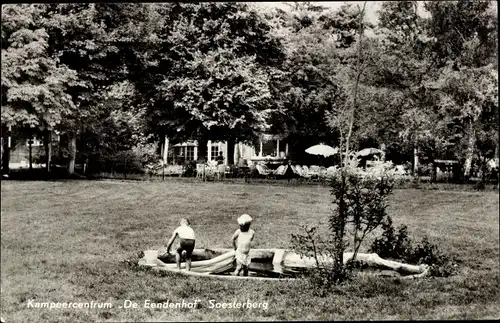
(207, 76)
(115, 132)
(309, 88)
(467, 101)
(86, 38)
(455, 24)
(394, 86)
(344, 121)
(34, 84)
(416, 57)
(466, 46)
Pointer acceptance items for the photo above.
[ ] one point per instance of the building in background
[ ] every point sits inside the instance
(270, 148)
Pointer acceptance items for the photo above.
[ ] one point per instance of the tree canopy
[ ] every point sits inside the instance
(231, 71)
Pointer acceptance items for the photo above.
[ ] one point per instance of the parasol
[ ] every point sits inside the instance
(369, 151)
(321, 149)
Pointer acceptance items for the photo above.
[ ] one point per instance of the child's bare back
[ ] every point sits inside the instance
(242, 241)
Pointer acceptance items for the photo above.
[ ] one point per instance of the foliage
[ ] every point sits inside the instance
(34, 84)
(233, 70)
(360, 205)
(117, 140)
(468, 112)
(392, 244)
(324, 275)
(391, 90)
(364, 203)
(405, 90)
(314, 85)
(399, 246)
(207, 72)
(457, 25)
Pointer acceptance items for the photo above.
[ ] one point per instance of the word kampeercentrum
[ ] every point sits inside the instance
(57, 305)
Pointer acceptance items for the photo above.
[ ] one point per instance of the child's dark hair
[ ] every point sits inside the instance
(245, 227)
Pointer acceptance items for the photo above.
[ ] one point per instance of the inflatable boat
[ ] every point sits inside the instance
(272, 264)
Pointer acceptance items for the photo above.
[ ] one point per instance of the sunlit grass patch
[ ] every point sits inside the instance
(70, 241)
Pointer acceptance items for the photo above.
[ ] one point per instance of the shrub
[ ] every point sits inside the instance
(391, 244)
(360, 202)
(427, 253)
(399, 247)
(190, 169)
(324, 275)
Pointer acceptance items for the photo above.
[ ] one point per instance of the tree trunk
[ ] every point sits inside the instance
(72, 154)
(415, 162)
(339, 226)
(48, 150)
(202, 150)
(469, 155)
(30, 157)
(340, 232)
(496, 160)
(230, 151)
(434, 171)
(6, 153)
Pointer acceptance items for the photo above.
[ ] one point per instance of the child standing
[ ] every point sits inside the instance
(242, 240)
(187, 241)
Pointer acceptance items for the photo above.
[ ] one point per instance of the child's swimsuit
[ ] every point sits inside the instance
(187, 239)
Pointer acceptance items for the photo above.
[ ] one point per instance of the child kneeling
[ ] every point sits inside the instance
(187, 242)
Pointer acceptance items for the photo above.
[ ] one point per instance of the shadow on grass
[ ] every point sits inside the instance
(40, 174)
(58, 173)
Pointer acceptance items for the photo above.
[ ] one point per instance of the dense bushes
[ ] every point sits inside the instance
(398, 246)
(360, 201)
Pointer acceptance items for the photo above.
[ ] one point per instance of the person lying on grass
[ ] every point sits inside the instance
(244, 235)
(187, 241)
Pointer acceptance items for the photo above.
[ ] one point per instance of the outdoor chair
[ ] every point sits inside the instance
(280, 171)
(314, 172)
(263, 170)
(304, 173)
(297, 169)
(229, 171)
(201, 170)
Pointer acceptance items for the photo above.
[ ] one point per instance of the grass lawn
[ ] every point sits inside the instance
(67, 241)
